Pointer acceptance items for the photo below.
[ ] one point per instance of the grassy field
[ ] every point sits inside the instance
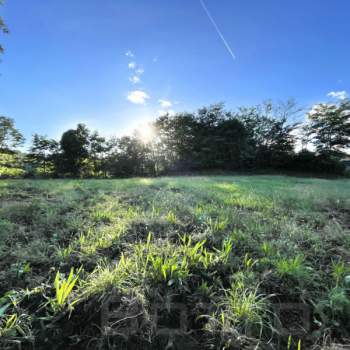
(216, 262)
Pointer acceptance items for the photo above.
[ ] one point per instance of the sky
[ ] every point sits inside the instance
(115, 64)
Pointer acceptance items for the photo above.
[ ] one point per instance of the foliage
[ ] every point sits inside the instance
(212, 138)
(315, 163)
(40, 158)
(3, 29)
(330, 127)
(11, 165)
(10, 137)
(63, 289)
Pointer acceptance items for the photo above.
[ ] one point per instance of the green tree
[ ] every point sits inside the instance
(10, 159)
(97, 149)
(41, 155)
(10, 136)
(3, 29)
(175, 140)
(131, 157)
(74, 150)
(329, 128)
(270, 133)
(210, 138)
(82, 153)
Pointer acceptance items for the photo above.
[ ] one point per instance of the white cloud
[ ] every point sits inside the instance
(129, 54)
(135, 79)
(163, 112)
(138, 97)
(139, 71)
(132, 65)
(341, 95)
(165, 103)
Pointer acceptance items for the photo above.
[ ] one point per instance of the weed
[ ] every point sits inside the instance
(339, 271)
(63, 290)
(171, 217)
(293, 268)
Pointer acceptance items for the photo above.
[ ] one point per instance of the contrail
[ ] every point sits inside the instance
(218, 30)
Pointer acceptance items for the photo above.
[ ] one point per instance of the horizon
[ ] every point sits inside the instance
(117, 66)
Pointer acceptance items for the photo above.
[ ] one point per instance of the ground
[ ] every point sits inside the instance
(211, 262)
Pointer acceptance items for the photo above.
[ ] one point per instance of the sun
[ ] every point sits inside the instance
(145, 132)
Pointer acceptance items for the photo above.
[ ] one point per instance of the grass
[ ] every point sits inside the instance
(230, 251)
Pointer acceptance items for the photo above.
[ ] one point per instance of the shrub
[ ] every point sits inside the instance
(306, 161)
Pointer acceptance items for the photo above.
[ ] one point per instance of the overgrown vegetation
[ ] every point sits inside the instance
(185, 262)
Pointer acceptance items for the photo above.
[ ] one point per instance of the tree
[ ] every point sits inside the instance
(10, 159)
(82, 153)
(129, 157)
(97, 149)
(270, 135)
(3, 29)
(75, 149)
(175, 140)
(10, 137)
(329, 127)
(41, 155)
(210, 138)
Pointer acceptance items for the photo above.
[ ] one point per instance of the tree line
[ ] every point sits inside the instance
(211, 138)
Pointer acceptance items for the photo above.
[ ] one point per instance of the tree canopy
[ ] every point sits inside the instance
(10, 136)
(211, 138)
(330, 127)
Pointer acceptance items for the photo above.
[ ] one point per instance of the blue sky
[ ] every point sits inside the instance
(66, 62)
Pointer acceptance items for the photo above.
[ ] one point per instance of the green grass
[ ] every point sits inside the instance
(229, 249)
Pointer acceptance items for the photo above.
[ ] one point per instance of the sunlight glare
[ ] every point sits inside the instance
(146, 132)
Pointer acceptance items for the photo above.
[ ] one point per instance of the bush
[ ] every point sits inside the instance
(306, 161)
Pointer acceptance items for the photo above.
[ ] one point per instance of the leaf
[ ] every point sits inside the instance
(3, 309)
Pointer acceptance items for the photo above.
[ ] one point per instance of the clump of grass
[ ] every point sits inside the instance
(105, 277)
(226, 249)
(216, 225)
(339, 272)
(171, 217)
(293, 268)
(14, 325)
(267, 249)
(243, 311)
(245, 307)
(63, 291)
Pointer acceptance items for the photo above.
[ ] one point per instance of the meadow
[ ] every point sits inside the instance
(192, 262)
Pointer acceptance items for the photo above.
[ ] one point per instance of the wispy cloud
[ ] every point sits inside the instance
(132, 65)
(138, 97)
(129, 54)
(341, 95)
(139, 71)
(135, 79)
(165, 103)
(228, 47)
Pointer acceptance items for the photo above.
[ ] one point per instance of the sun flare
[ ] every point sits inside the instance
(145, 132)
